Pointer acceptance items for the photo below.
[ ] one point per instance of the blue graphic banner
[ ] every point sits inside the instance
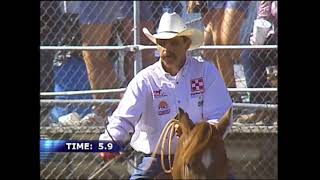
(48, 146)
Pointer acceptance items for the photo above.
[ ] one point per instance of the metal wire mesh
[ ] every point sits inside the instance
(252, 145)
(251, 149)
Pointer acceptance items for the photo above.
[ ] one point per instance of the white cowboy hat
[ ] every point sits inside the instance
(172, 25)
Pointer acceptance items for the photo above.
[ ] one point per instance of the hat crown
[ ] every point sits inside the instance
(171, 22)
(172, 25)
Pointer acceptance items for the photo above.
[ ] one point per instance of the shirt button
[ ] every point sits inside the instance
(177, 82)
(178, 101)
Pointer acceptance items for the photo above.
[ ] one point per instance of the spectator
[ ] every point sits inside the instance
(96, 24)
(54, 31)
(259, 60)
(222, 21)
(70, 75)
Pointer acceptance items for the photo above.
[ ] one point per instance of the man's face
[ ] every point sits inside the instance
(173, 51)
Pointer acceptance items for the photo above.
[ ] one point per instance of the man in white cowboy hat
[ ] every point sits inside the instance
(154, 95)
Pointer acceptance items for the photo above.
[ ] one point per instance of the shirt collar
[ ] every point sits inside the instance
(181, 72)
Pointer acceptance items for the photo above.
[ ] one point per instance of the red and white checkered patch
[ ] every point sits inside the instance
(197, 85)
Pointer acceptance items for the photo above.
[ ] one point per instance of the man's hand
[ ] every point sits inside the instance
(107, 156)
(197, 7)
(270, 33)
(251, 39)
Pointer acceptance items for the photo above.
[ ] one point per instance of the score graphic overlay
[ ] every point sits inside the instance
(47, 145)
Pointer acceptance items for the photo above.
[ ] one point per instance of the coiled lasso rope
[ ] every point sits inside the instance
(168, 127)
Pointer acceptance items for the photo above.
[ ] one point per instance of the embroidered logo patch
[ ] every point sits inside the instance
(197, 86)
(158, 93)
(163, 108)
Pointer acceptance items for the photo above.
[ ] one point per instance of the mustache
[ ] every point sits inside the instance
(167, 54)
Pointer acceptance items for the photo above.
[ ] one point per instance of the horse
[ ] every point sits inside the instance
(200, 153)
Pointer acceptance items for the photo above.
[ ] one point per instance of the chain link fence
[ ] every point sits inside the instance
(251, 75)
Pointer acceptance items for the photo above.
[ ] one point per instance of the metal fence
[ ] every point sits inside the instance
(91, 50)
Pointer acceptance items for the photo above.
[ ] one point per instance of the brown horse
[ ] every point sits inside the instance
(201, 153)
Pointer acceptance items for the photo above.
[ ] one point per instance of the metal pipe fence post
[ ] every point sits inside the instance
(136, 30)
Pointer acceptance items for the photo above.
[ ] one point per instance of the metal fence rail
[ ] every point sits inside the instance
(143, 47)
(72, 93)
(80, 102)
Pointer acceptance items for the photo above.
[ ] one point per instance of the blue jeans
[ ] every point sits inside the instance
(143, 172)
(70, 75)
(154, 164)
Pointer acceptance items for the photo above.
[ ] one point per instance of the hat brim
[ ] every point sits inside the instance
(195, 35)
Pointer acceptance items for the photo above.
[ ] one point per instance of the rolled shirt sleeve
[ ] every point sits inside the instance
(216, 98)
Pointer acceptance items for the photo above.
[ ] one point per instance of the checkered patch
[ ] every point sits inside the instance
(197, 85)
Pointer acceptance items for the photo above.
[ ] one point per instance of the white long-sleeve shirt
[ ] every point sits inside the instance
(153, 97)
